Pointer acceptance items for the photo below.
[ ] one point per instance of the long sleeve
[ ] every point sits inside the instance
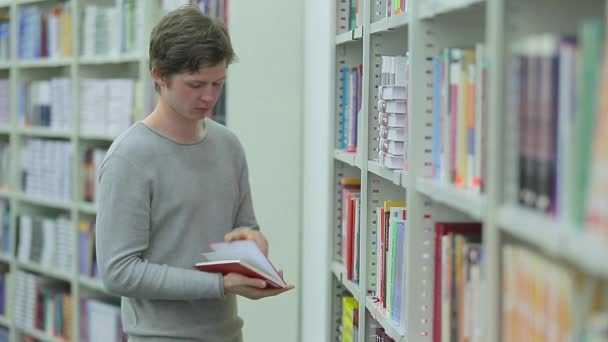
(245, 215)
(123, 235)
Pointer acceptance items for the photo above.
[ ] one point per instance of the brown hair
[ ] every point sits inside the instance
(186, 40)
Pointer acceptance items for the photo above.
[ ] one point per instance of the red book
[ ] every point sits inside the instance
(243, 257)
(441, 229)
(237, 266)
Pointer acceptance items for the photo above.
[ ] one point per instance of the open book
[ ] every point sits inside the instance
(242, 257)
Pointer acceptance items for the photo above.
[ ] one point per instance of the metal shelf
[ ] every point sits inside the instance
(397, 177)
(103, 60)
(92, 284)
(466, 201)
(44, 63)
(390, 23)
(431, 9)
(44, 132)
(557, 239)
(379, 314)
(39, 335)
(88, 208)
(33, 267)
(349, 36)
(98, 137)
(340, 272)
(350, 158)
(45, 202)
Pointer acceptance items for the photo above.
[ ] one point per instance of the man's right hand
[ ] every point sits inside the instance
(251, 288)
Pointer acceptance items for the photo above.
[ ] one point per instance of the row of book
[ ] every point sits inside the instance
(5, 52)
(47, 168)
(87, 259)
(5, 279)
(107, 105)
(348, 15)
(214, 8)
(392, 131)
(460, 117)
(45, 33)
(100, 321)
(47, 242)
(562, 124)
(5, 164)
(5, 228)
(540, 299)
(393, 7)
(458, 282)
(350, 191)
(112, 30)
(350, 319)
(46, 103)
(5, 102)
(350, 106)
(390, 227)
(43, 305)
(92, 163)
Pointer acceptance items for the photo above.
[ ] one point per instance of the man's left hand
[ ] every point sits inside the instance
(249, 234)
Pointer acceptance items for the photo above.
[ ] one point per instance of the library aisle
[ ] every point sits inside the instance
(468, 178)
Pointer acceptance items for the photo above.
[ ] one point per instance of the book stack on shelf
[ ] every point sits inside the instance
(351, 105)
(350, 319)
(350, 14)
(46, 242)
(460, 117)
(112, 30)
(391, 225)
(94, 311)
(5, 229)
(5, 102)
(46, 103)
(392, 115)
(107, 106)
(47, 169)
(351, 207)
(45, 32)
(4, 38)
(561, 142)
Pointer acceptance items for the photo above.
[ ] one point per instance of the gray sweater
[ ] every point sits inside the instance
(160, 203)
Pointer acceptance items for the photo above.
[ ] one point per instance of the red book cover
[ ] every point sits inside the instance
(441, 229)
(236, 266)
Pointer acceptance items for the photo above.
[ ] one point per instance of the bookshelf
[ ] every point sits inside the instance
(75, 68)
(424, 31)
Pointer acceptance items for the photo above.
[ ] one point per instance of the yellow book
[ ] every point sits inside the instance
(66, 32)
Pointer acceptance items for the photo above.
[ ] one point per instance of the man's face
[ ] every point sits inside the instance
(193, 95)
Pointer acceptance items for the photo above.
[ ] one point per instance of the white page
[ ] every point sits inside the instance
(248, 251)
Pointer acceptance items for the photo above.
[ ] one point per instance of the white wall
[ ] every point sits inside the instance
(265, 109)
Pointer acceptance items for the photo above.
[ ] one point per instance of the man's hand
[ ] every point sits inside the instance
(251, 288)
(249, 234)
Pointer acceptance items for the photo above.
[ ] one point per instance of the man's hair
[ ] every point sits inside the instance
(187, 40)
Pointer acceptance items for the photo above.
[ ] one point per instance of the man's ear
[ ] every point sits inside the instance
(159, 79)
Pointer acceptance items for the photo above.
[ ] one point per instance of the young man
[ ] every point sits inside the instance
(171, 184)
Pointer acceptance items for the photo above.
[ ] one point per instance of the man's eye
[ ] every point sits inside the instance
(195, 85)
(217, 84)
